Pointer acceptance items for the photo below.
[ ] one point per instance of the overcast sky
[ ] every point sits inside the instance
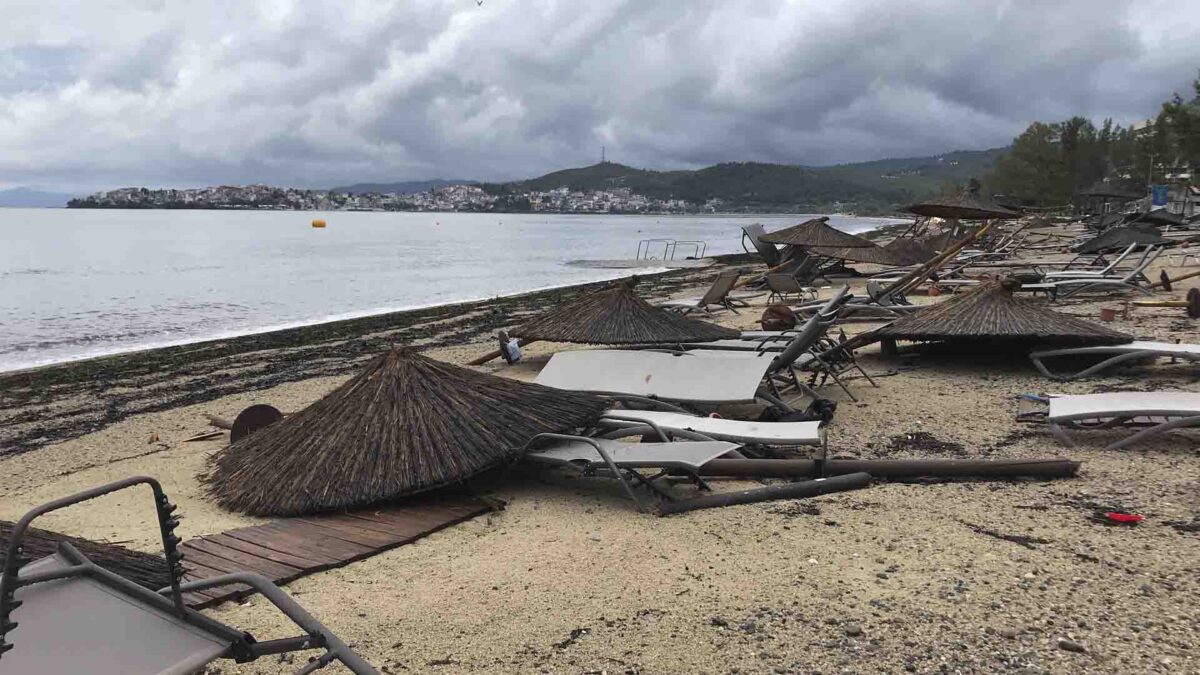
(102, 94)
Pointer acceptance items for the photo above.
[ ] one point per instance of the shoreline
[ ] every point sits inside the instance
(89, 394)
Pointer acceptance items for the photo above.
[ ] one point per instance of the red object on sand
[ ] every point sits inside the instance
(1125, 518)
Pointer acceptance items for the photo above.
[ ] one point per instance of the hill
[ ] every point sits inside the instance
(879, 185)
(29, 199)
(411, 187)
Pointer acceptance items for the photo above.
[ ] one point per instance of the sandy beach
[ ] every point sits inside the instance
(569, 578)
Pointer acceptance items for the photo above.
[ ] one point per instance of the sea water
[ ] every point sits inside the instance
(82, 283)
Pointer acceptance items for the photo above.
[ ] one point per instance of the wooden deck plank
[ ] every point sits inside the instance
(210, 553)
(285, 558)
(289, 548)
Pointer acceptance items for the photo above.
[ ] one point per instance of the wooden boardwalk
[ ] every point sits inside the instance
(291, 548)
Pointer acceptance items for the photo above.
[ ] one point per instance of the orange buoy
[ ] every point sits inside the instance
(318, 223)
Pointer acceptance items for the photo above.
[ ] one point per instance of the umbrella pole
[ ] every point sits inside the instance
(921, 272)
(1161, 284)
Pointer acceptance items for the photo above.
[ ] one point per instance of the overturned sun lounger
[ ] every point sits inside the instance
(65, 614)
(1157, 411)
(1116, 354)
(597, 456)
(738, 431)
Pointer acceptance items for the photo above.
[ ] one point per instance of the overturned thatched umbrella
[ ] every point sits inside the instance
(617, 316)
(144, 569)
(877, 255)
(911, 251)
(1158, 217)
(815, 232)
(991, 315)
(966, 205)
(406, 424)
(1118, 238)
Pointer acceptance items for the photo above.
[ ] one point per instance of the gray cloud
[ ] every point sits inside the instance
(319, 93)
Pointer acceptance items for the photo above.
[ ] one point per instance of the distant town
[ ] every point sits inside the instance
(449, 198)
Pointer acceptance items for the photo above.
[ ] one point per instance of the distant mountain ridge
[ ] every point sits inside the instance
(875, 185)
(401, 188)
(28, 198)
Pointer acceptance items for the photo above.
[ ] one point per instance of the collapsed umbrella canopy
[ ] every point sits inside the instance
(1119, 238)
(990, 314)
(964, 206)
(1106, 191)
(1160, 217)
(617, 316)
(404, 425)
(910, 251)
(816, 232)
(878, 255)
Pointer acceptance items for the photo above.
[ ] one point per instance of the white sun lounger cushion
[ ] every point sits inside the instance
(670, 377)
(689, 455)
(774, 433)
(1124, 404)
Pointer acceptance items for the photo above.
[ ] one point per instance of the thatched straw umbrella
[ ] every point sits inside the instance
(991, 315)
(911, 251)
(143, 569)
(1119, 238)
(815, 232)
(964, 206)
(877, 255)
(617, 316)
(405, 425)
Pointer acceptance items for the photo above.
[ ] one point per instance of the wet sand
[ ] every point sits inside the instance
(947, 577)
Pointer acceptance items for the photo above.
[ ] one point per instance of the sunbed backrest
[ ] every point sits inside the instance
(720, 288)
(812, 331)
(769, 253)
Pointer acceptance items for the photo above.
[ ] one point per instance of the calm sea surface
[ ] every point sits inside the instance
(80, 283)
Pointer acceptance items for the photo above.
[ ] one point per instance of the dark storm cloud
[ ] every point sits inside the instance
(325, 93)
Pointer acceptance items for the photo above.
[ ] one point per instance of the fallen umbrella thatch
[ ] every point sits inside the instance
(911, 251)
(405, 425)
(991, 314)
(617, 316)
(815, 232)
(964, 206)
(876, 255)
(1119, 238)
(144, 569)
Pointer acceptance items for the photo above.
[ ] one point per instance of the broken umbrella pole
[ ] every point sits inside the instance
(808, 488)
(920, 274)
(1191, 304)
(1164, 281)
(893, 468)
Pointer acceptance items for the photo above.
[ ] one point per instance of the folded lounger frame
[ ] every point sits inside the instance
(73, 616)
(1117, 354)
(1157, 411)
(598, 456)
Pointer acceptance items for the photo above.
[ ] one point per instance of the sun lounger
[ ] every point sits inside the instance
(718, 295)
(1157, 411)
(1116, 354)
(1106, 270)
(657, 377)
(715, 428)
(594, 456)
(71, 616)
(770, 254)
(1130, 281)
(783, 285)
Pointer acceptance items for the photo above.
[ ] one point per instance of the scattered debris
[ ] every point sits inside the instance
(1026, 541)
(575, 635)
